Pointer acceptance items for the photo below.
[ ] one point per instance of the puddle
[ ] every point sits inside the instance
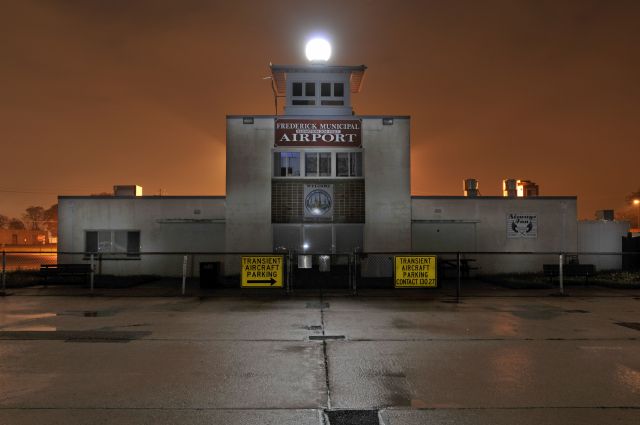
(537, 312)
(30, 316)
(38, 328)
(74, 336)
(630, 325)
(352, 417)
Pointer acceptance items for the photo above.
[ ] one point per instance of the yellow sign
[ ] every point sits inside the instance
(416, 271)
(262, 271)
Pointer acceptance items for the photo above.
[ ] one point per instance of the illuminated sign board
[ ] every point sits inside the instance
(415, 271)
(318, 133)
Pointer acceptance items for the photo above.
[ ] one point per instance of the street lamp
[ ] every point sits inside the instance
(636, 202)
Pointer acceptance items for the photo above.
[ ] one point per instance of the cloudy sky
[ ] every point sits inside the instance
(97, 93)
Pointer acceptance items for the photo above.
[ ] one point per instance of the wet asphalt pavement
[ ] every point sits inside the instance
(259, 360)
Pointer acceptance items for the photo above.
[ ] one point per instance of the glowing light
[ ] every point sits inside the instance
(636, 202)
(305, 246)
(318, 50)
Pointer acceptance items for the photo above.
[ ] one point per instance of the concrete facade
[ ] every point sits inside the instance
(479, 224)
(388, 185)
(600, 236)
(165, 224)
(249, 169)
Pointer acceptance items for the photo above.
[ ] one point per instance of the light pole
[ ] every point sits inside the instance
(636, 202)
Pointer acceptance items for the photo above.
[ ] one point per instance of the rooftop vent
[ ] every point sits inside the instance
(131, 190)
(512, 188)
(471, 188)
(606, 215)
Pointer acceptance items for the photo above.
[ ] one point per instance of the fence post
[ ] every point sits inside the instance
(560, 274)
(289, 269)
(91, 274)
(184, 273)
(458, 285)
(355, 273)
(4, 271)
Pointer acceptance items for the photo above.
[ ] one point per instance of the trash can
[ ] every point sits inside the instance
(209, 274)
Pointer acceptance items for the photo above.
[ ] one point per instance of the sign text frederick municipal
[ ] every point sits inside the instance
(318, 133)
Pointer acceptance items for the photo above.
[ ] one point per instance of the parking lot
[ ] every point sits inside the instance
(289, 360)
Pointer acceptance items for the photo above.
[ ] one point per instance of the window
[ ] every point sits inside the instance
(317, 164)
(335, 98)
(338, 89)
(309, 89)
(308, 97)
(349, 164)
(313, 164)
(113, 242)
(286, 164)
(325, 89)
(297, 89)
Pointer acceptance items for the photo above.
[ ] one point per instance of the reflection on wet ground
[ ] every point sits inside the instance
(73, 356)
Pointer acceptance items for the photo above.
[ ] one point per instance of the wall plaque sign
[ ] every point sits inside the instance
(318, 201)
(318, 133)
(522, 225)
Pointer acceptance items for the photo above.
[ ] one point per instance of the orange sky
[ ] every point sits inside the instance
(96, 93)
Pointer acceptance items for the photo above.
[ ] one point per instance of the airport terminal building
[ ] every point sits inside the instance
(318, 179)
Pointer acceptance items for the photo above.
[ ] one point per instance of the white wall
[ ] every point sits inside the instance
(387, 185)
(249, 169)
(602, 236)
(445, 223)
(166, 224)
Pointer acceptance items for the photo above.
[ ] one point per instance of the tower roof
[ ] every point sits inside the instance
(279, 74)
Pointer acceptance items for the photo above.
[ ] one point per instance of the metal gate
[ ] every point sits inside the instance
(322, 272)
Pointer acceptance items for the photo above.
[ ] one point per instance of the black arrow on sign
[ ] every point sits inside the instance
(271, 281)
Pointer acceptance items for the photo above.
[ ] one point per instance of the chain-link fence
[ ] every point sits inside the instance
(440, 273)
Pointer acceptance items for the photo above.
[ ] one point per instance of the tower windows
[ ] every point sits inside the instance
(304, 93)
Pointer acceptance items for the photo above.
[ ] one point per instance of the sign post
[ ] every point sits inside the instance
(262, 271)
(415, 271)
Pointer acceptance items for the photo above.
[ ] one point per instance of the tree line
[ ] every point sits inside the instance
(33, 218)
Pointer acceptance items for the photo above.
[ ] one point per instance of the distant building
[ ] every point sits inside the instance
(24, 237)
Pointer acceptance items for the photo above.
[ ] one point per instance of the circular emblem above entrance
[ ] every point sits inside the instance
(317, 202)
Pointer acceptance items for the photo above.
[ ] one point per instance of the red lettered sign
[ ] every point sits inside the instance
(318, 133)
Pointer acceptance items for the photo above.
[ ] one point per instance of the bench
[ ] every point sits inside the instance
(585, 270)
(64, 270)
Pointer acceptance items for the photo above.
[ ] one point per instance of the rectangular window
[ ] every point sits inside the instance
(91, 242)
(297, 89)
(349, 164)
(317, 164)
(286, 164)
(133, 244)
(309, 89)
(338, 89)
(325, 164)
(104, 241)
(112, 242)
(119, 241)
(303, 94)
(325, 89)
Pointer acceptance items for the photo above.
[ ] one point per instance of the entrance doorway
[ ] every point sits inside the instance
(321, 253)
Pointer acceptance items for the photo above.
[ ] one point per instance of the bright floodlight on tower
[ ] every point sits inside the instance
(318, 50)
